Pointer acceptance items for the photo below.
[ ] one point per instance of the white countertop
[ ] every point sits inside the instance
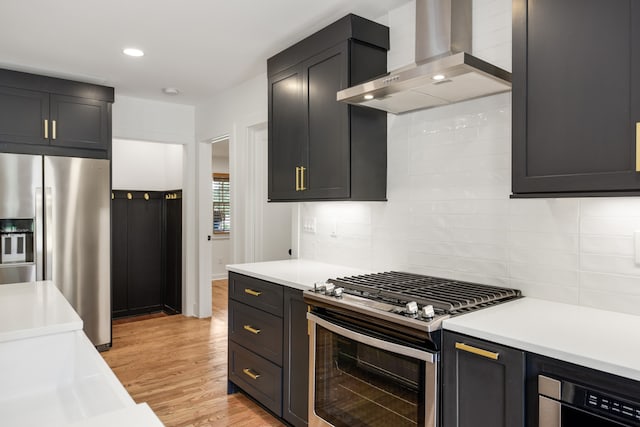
(295, 273)
(598, 339)
(33, 309)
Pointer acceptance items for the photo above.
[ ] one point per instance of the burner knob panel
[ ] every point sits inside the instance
(428, 311)
(411, 308)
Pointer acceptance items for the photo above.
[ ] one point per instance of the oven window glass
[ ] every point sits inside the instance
(360, 385)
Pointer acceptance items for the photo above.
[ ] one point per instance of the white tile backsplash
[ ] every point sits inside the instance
(449, 214)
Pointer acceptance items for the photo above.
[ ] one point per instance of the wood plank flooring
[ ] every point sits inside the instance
(178, 365)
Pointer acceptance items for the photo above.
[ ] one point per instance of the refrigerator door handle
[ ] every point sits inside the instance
(48, 212)
(39, 229)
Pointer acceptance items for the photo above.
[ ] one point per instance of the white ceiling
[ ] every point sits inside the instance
(198, 46)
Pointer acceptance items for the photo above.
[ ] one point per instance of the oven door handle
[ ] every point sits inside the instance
(373, 342)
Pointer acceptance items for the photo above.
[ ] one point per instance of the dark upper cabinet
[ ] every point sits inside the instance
(483, 383)
(320, 149)
(44, 115)
(576, 97)
(79, 122)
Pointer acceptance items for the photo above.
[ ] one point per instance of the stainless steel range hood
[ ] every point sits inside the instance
(444, 72)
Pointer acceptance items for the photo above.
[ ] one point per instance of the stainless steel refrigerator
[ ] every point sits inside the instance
(55, 217)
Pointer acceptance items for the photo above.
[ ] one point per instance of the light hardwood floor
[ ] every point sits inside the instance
(178, 365)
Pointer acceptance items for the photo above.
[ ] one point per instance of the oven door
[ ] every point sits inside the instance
(357, 379)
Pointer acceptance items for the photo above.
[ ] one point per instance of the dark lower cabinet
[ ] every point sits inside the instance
(139, 256)
(483, 383)
(269, 346)
(295, 399)
(576, 98)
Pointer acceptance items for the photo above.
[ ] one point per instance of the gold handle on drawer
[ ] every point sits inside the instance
(638, 147)
(297, 178)
(251, 329)
(302, 187)
(53, 129)
(476, 350)
(250, 374)
(252, 292)
(46, 129)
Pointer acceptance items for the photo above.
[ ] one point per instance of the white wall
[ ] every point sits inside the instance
(139, 165)
(449, 213)
(145, 120)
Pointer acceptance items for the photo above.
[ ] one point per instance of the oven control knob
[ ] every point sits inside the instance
(428, 312)
(337, 292)
(328, 289)
(411, 308)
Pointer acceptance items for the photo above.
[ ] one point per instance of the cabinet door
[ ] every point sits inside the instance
(173, 255)
(576, 95)
(287, 135)
(119, 257)
(145, 253)
(327, 155)
(295, 402)
(79, 122)
(479, 390)
(22, 116)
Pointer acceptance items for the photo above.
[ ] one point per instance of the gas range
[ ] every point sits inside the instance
(410, 300)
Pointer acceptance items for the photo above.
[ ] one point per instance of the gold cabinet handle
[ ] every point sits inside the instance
(297, 178)
(250, 374)
(251, 329)
(113, 196)
(46, 129)
(476, 350)
(252, 292)
(53, 129)
(129, 196)
(146, 196)
(638, 147)
(302, 187)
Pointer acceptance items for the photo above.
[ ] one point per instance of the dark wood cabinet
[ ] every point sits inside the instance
(44, 115)
(576, 98)
(295, 398)
(140, 255)
(268, 346)
(319, 148)
(173, 252)
(483, 383)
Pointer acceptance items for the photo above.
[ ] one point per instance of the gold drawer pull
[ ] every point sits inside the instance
(302, 187)
(637, 147)
(46, 129)
(53, 129)
(250, 374)
(476, 350)
(252, 292)
(251, 329)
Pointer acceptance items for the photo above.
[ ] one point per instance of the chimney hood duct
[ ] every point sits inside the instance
(444, 72)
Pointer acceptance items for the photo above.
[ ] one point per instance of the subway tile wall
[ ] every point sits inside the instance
(448, 211)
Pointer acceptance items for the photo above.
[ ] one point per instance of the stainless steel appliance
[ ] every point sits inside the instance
(374, 346)
(567, 395)
(62, 207)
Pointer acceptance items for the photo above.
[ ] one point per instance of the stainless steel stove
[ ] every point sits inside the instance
(374, 345)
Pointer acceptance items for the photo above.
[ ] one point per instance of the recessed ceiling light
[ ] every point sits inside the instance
(170, 91)
(131, 51)
(369, 96)
(438, 77)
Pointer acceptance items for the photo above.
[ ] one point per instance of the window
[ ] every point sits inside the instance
(221, 203)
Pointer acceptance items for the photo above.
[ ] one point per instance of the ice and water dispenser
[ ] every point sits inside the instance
(16, 241)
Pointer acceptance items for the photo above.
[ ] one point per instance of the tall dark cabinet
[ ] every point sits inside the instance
(319, 148)
(576, 97)
(146, 252)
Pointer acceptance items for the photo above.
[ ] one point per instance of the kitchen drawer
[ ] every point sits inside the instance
(256, 330)
(256, 293)
(256, 376)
